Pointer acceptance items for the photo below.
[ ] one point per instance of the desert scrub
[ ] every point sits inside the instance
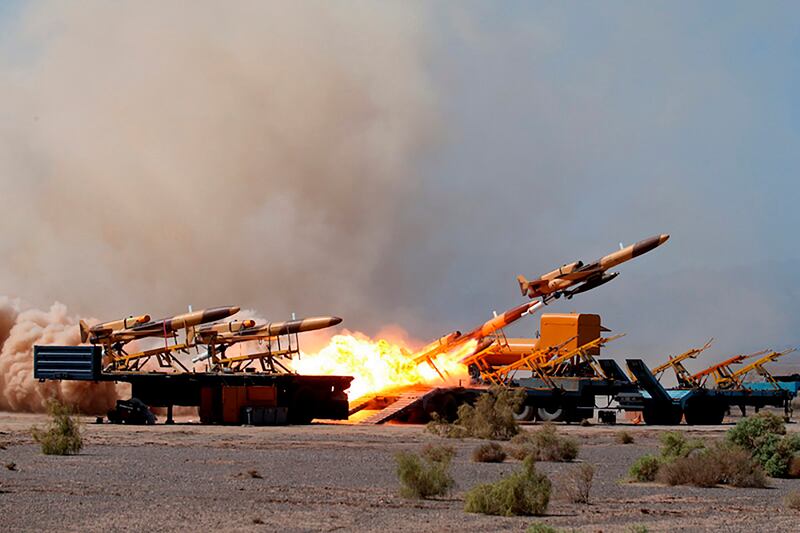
(674, 445)
(538, 527)
(492, 417)
(645, 468)
(750, 432)
(544, 444)
(63, 434)
(489, 453)
(526, 492)
(764, 436)
(426, 475)
(438, 453)
(623, 437)
(792, 500)
(578, 483)
(721, 464)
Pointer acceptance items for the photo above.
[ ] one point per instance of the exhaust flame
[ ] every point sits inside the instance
(380, 365)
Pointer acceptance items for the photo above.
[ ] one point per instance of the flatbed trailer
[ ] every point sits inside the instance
(697, 405)
(570, 399)
(258, 398)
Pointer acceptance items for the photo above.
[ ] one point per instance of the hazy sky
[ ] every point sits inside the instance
(557, 131)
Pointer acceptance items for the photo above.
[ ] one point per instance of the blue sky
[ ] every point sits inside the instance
(569, 127)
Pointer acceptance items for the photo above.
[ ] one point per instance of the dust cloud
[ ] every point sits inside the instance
(158, 155)
(155, 155)
(20, 330)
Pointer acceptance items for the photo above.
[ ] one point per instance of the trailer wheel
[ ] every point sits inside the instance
(549, 414)
(301, 409)
(709, 413)
(445, 405)
(666, 415)
(524, 413)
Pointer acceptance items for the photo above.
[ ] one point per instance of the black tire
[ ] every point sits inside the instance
(662, 415)
(301, 409)
(704, 413)
(445, 405)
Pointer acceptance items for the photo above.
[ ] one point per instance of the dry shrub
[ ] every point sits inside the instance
(794, 467)
(526, 492)
(723, 464)
(489, 453)
(792, 500)
(578, 483)
(63, 435)
(438, 453)
(645, 468)
(441, 427)
(11, 466)
(544, 444)
(492, 417)
(623, 437)
(692, 470)
(424, 476)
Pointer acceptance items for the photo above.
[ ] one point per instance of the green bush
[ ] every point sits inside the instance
(764, 436)
(63, 435)
(526, 492)
(623, 437)
(538, 527)
(489, 453)
(645, 468)
(674, 445)
(422, 477)
(750, 432)
(544, 444)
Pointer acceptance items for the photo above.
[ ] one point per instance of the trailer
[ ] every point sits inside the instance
(697, 405)
(246, 397)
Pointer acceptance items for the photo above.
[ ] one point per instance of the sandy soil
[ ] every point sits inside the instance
(333, 477)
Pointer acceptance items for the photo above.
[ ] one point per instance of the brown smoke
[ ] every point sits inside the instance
(19, 331)
(154, 155)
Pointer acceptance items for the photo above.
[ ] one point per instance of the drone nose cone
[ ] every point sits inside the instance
(218, 313)
(644, 246)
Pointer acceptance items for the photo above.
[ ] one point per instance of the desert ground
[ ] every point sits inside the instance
(335, 477)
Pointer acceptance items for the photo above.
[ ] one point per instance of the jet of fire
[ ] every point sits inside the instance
(380, 365)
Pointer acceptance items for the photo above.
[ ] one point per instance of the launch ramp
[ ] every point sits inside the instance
(403, 402)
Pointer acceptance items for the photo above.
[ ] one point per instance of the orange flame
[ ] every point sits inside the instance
(381, 365)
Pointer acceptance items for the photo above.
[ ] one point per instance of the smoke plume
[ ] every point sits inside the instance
(19, 331)
(157, 155)
(154, 155)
